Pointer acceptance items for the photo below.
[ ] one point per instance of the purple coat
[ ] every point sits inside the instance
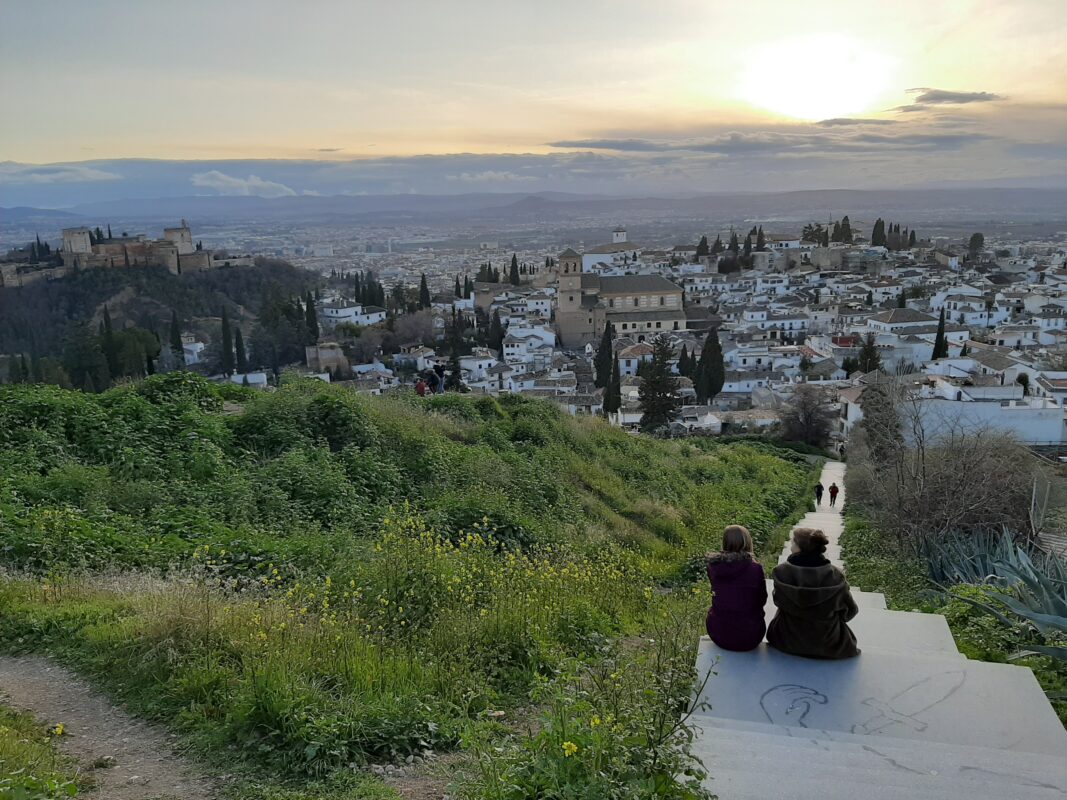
(735, 619)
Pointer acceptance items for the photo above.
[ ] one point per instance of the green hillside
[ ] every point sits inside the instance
(326, 580)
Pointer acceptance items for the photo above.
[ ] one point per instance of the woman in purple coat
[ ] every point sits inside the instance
(735, 619)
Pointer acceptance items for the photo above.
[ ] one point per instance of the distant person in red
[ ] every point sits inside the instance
(420, 388)
(833, 494)
(735, 620)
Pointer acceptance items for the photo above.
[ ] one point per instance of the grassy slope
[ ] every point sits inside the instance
(404, 565)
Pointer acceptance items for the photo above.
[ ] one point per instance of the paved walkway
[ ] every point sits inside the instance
(909, 718)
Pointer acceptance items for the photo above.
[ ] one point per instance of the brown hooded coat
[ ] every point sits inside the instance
(814, 604)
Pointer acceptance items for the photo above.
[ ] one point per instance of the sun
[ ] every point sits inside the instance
(815, 77)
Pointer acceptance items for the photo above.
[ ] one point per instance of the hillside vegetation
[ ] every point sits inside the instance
(322, 580)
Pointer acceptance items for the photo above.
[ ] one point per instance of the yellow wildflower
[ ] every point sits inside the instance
(569, 749)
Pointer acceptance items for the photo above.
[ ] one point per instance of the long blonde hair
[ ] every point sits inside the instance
(736, 539)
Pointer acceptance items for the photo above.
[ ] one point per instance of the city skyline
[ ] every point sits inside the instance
(615, 98)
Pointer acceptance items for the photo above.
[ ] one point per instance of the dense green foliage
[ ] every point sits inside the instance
(330, 579)
(39, 318)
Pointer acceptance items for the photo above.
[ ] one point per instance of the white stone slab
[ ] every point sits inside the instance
(863, 599)
(765, 761)
(895, 631)
(884, 694)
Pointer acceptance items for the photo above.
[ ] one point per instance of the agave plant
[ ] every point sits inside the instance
(1027, 587)
(972, 557)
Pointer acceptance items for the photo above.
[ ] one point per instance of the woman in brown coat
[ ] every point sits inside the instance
(814, 602)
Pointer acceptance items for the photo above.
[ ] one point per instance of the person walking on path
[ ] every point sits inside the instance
(818, 493)
(833, 494)
(735, 620)
(420, 388)
(814, 602)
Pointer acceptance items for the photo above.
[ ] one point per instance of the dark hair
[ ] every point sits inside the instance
(810, 540)
(736, 539)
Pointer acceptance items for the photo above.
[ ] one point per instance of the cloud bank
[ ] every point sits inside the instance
(252, 186)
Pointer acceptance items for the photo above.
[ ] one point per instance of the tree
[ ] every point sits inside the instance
(454, 381)
(902, 300)
(513, 273)
(613, 391)
(976, 244)
(1024, 380)
(805, 364)
(718, 247)
(226, 360)
(458, 290)
(809, 417)
(683, 362)
(761, 241)
(747, 251)
(850, 365)
(108, 344)
(870, 298)
(710, 372)
(940, 341)
(846, 230)
(702, 248)
(964, 351)
(311, 318)
(602, 362)
(496, 333)
(735, 245)
(424, 293)
(813, 233)
(911, 239)
(242, 356)
(869, 359)
(878, 237)
(659, 401)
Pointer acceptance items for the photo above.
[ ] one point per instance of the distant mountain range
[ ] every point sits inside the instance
(950, 203)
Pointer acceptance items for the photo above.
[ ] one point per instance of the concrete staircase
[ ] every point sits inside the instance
(909, 718)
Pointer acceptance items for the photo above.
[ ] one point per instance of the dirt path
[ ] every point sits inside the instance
(144, 765)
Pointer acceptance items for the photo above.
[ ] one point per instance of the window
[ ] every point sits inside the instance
(611, 303)
(659, 324)
(624, 328)
(637, 302)
(571, 298)
(662, 300)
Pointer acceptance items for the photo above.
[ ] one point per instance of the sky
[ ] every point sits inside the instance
(598, 96)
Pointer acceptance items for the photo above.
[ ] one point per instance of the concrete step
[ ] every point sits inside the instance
(863, 599)
(767, 761)
(896, 631)
(885, 694)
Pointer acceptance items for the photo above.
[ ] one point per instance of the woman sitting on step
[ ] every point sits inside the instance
(814, 602)
(735, 619)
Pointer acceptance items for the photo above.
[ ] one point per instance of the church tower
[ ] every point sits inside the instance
(570, 281)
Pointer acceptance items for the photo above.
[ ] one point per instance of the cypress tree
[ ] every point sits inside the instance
(718, 247)
(683, 362)
(869, 358)
(702, 247)
(710, 372)
(110, 346)
(26, 369)
(870, 298)
(513, 275)
(613, 395)
(964, 351)
(735, 245)
(454, 381)
(424, 293)
(311, 319)
(846, 230)
(496, 333)
(902, 301)
(175, 334)
(761, 241)
(227, 344)
(659, 401)
(940, 342)
(748, 246)
(458, 290)
(911, 239)
(242, 356)
(109, 230)
(602, 360)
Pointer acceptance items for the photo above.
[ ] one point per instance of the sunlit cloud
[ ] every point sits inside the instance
(252, 186)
